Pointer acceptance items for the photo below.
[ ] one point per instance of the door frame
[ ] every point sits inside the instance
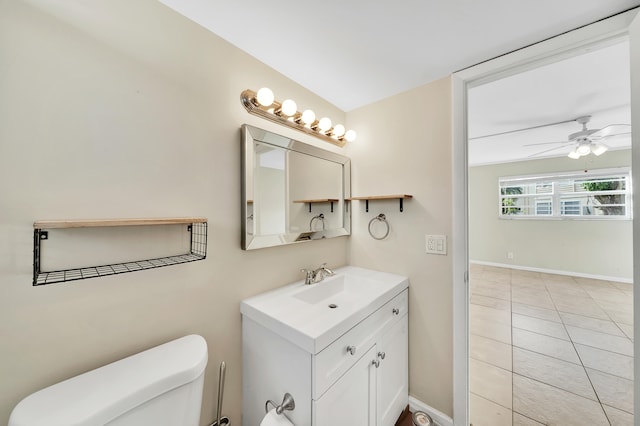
(576, 42)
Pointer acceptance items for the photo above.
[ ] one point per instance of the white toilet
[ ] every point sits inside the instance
(161, 386)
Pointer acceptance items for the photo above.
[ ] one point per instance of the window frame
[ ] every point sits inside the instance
(559, 200)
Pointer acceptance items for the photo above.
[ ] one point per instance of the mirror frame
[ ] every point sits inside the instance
(250, 135)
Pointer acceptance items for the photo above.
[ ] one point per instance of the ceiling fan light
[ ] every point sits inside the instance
(599, 149)
(574, 154)
(583, 149)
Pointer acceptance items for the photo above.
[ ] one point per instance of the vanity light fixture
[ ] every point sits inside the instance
(264, 104)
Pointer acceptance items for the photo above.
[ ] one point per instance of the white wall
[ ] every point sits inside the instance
(601, 248)
(125, 109)
(115, 109)
(404, 147)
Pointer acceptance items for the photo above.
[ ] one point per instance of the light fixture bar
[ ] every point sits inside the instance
(274, 112)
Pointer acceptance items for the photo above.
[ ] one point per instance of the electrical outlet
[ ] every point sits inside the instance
(436, 244)
(509, 255)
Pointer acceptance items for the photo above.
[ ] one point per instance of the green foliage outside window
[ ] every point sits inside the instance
(509, 204)
(604, 199)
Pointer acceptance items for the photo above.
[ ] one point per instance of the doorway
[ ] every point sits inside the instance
(509, 277)
(551, 304)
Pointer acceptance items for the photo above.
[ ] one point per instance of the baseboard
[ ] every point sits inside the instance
(553, 271)
(440, 418)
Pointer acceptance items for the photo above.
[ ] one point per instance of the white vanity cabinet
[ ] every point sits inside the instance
(350, 401)
(393, 387)
(374, 389)
(359, 378)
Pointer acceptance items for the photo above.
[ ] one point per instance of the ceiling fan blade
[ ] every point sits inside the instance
(610, 136)
(545, 151)
(521, 130)
(612, 129)
(546, 143)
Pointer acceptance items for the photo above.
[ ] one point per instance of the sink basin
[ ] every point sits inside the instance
(313, 316)
(341, 288)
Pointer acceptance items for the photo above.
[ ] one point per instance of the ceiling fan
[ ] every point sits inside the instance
(586, 141)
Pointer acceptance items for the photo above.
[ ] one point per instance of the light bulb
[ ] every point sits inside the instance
(265, 97)
(574, 154)
(338, 130)
(599, 149)
(324, 124)
(350, 136)
(308, 116)
(583, 149)
(289, 107)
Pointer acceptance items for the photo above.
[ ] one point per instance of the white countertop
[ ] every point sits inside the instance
(358, 292)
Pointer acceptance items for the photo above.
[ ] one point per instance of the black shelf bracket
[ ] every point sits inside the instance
(312, 203)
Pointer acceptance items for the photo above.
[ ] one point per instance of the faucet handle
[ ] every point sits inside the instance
(308, 279)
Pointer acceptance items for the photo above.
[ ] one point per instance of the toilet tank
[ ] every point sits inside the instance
(161, 386)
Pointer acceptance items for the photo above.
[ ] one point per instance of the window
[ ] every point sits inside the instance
(596, 194)
(543, 208)
(570, 207)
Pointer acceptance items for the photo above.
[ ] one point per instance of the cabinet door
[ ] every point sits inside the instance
(350, 400)
(393, 374)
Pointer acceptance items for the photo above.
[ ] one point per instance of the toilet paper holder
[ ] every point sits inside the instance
(287, 404)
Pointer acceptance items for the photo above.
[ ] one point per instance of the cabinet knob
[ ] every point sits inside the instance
(381, 355)
(351, 350)
(376, 362)
(395, 311)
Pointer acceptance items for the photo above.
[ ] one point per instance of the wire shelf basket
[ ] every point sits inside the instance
(197, 251)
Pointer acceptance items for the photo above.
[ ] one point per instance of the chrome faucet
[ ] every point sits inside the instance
(315, 276)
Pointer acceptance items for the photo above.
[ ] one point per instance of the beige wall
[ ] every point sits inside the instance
(125, 109)
(404, 147)
(594, 247)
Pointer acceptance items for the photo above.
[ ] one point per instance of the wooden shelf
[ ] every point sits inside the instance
(197, 228)
(400, 197)
(97, 223)
(318, 200)
(382, 197)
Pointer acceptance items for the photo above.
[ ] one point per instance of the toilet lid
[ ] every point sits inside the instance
(100, 395)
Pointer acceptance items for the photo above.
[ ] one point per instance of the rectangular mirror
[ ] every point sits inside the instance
(291, 191)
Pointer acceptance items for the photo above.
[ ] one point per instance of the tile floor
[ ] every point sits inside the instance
(549, 349)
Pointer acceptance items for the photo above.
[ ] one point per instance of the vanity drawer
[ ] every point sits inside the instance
(333, 361)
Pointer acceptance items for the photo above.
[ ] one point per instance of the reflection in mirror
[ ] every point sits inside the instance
(292, 191)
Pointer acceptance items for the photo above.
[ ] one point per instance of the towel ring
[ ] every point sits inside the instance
(250, 228)
(320, 217)
(382, 218)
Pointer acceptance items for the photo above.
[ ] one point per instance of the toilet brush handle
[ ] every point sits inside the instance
(223, 369)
